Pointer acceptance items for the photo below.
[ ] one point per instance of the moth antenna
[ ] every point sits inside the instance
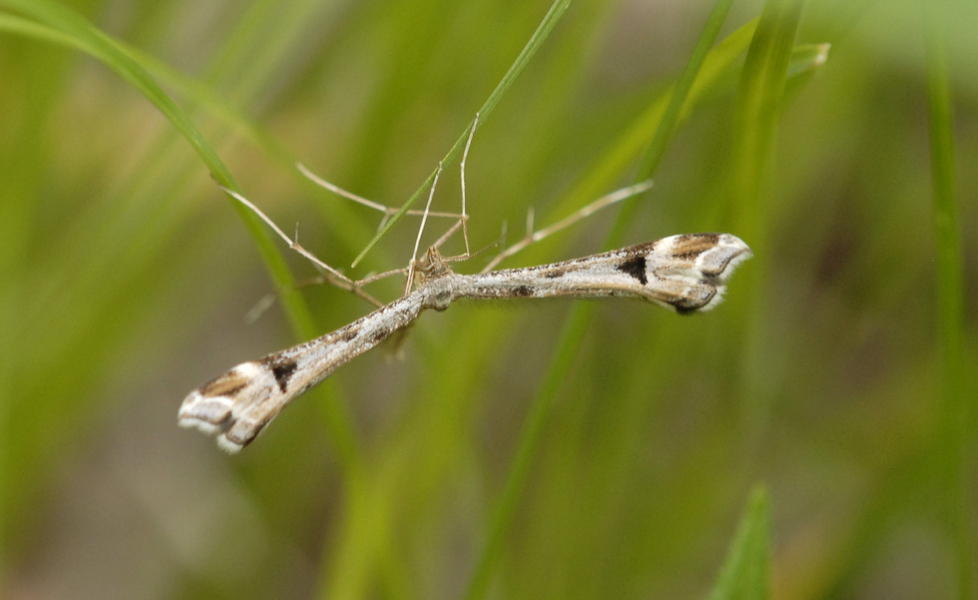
(387, 210)
(330, 275)
(292, 243)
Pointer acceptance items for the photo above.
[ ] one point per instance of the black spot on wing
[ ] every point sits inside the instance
(283, 373)
(522, 291)
(350, 335)
(635, 266)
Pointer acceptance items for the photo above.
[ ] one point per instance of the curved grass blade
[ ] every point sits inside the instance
(72, 29)
(59, 25)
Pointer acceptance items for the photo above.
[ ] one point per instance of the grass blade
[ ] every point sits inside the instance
(670, 119)
(761, 96)
(575, 329)
(717, 70)
(746, 574)
(75, 30)
(952, 437)
(761, 89)
(57, 24)
(557, 10)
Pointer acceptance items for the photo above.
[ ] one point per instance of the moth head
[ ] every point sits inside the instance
(430, 266)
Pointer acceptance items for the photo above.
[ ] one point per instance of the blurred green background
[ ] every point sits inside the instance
(519, 450)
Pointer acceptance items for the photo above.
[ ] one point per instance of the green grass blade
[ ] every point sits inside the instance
(761, 89)
(953, 434)
(630, 144)
(185, 86)
(677, 100)
(83, 35)
(746, 574)
(704, 71)
(203, 96)
(59, 25)
(670, 119)
(553, 16)
(572, 337)
(71, 24)
(761, 96)
(716, 71)
(576, 326)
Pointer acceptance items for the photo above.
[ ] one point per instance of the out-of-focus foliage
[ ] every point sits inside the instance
(840, 373)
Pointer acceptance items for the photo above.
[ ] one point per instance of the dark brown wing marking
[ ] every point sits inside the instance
(635, 266)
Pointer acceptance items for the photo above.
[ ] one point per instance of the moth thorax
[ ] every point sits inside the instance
(438, 293)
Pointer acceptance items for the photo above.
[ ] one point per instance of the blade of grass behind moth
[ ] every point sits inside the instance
(199, 93)
(951, 439)
(553, 16)
(573, 333)
(746, 572)
(121, 63)
(670, 119)
(74, 30)
(760, 92)
(760, 95)
(204, 96)
(711, 81)
(104, 48)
